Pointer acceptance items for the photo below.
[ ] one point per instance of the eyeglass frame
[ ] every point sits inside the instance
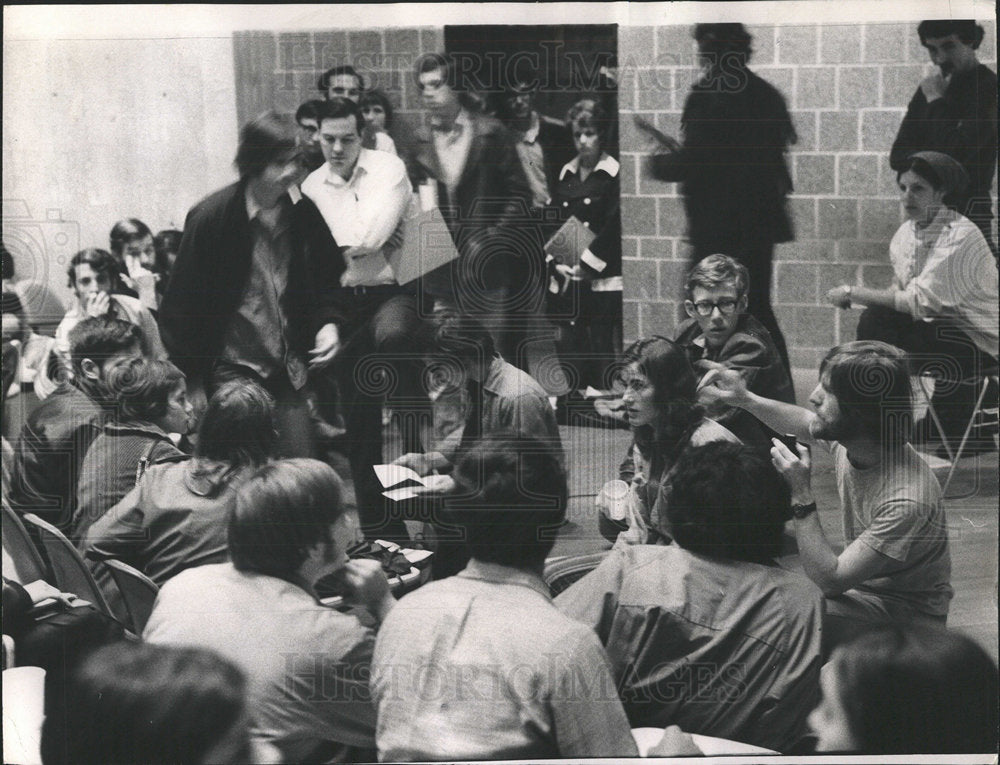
(712, 306)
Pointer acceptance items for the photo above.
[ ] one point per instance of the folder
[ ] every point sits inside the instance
(569, 242)
(427, 245)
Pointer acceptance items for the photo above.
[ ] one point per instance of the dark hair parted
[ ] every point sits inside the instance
(727, 501)
(282, 510)
(99, 338)
(265, 139)
(125, 232)
(340, 108)
(915, 689)
(716, 271)
(431, 62)
(101, 261)
(308, 110)
(511, 498)
(376, 97)
(238, 426)
(871, 381)
(141, 386)
(323, 83)
(966, 30)
(137, 702)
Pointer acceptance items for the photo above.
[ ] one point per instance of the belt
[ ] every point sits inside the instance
(377, 289)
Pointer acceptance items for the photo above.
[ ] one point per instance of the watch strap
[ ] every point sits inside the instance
(802, 511)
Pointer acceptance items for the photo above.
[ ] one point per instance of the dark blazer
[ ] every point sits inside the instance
(595, 203)
(492, 199)
(211, 272)
(556, 141)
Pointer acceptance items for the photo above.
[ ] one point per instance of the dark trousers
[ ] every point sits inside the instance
(940, 350)
(380, 362)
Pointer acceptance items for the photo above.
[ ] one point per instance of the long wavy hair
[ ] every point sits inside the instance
(674, 383)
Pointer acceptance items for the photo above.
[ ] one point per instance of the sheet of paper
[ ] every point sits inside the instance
(399, 494)
(392, 475)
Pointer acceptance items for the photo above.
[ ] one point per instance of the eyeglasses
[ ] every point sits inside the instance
(726, 306)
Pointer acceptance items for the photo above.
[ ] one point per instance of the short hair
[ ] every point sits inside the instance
(141, 386)
(511, 498)
(282, 510)
(165, 242)
(941, 171)
(338, 108)
(125, 232)
(871, 381)
(728, 37)
(100, 338)
(238, 425)
(587, 112)
(916, 689)
(101, 261)
(7, 270)
(139, 702)
(308, 110)
(462, 337)
(323, 83)
(431, 62)
(379, 97)
(966, 30)
(727, 501)
(263, 141)
(716, 271)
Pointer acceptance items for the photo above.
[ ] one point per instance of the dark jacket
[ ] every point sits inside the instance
(595, 203)
(750, 350)
(211, 272)
(556, 141)
(732, 164)
(50, 453)
(489, 216)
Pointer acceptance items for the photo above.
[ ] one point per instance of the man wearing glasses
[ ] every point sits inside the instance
(720, 330)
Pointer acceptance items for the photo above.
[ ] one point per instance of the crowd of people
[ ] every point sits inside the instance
(184, 397)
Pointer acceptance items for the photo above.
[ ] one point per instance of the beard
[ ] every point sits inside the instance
(838, 430)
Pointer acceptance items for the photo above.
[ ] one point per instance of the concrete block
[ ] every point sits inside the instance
(656, 247)
(295, 50)
(432, 40)
(635, 42)
(673, 277)
(854, 251)
(763, 45)
(878, 128)
(796, 45)
(654, 88)
(627, 173)
(805, 250)
(847, 324)
(837, 218)
(857, 174)
(783, 78)
(364, 41)
(673, 220)
(832, 275)
(805, 358)
(630, 247)
(797, 283)
(403, 41)
(674, 43)
(915, 51)
(805, 128)
(988, 48)
(657, 318)
(630, 138)
(803, 212)
(880, 218)
(840, 43)
(885, 43)
(877, 277)
(648, 185)
(630, 320)
(813, 327)
(814, 174)
(638, 216)
(330, 50)
(816, 88)
(857, 87)
(642, 278)
(684, 78)
(899, 83)
(838, 131)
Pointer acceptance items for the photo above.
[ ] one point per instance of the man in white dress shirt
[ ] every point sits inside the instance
(363, 195)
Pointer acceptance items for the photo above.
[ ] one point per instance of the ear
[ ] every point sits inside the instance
(742, 304)
(689, 308)
(90, 369)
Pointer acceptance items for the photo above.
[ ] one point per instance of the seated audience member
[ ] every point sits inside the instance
(175, 518)
(167, 244)
(42, 306)
(93, 276)
(33, 367)
(896, 565)
(150, 403)
(307, 118)
(481, 666)
(376, 108)
(721, 330)
(661, 409)
(943, 303)
(132, 245)
(129, 703)
(307, 665)
(57, 434)
(707, 633)
(908, 690)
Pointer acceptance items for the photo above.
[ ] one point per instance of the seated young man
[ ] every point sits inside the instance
(481, 665)
(707, 633)
(721, 330)
(307, 666)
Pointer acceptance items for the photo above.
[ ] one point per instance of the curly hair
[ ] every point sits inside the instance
(141, 387)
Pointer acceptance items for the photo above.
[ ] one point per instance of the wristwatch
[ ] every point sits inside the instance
(803, 511)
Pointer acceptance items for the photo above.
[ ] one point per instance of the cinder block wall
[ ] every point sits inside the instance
(847, 87)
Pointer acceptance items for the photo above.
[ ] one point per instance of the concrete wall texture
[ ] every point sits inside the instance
(847, 87)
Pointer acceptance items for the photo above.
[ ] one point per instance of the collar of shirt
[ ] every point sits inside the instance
(531, 134)
(361, 168)
(498, 574)
(930, 233)
(272, 216)
(607, 163)
(462, 123)
(493, 375)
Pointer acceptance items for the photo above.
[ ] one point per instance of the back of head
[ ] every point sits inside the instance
(166, 243)
(717, 271)
(125, 232)
(511, 499)
(462, 338)
(264, 140)
(141, 386)
(280, 512)
(871, 381)
(238, 426)
(99, 338)
(967, 30)
(135, 702)
(724, 38)
(910, 689)
(727, 501)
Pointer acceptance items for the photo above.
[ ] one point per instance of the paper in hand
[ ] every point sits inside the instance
(569, 242)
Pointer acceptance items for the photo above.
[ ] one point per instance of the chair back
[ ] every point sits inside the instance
(20, 551)
(561, 572)
(138, 592)
(69, 571)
